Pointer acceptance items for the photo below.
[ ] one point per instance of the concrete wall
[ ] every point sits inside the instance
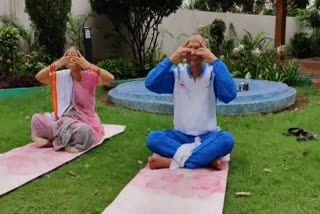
(174, 29)
(186, 22)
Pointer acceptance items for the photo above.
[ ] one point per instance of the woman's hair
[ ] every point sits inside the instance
(73, 47)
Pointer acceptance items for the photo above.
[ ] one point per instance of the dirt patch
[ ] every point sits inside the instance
(300, 104)
(310, 67)
(105, 98)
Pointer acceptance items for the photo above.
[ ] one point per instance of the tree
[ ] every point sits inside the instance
(198, 5)
(213, 5)
(301, 4)
(49, 18)
(136, 22)
(246, 6)
(75, 25)
(217, 29)
(311, 16)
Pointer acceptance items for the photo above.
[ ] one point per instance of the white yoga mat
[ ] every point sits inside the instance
(186, 191)
(24, 164)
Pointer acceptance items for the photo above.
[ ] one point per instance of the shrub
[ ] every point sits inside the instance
(49, 18)
(300, 45)
(32, 63)
(9, 44)
(227, 47)
(250, 43)
(217, 29)
(255, 59)
(27, 35)
(262, 64)
(291, 73)
(152, 60)
(315, 44)
(120, 68)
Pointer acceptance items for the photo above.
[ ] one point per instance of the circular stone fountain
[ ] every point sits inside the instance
(262, 97)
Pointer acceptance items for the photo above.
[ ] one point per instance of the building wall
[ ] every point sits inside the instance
(174, 29)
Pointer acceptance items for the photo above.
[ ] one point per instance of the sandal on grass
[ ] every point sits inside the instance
(293, 132)
(306, 135)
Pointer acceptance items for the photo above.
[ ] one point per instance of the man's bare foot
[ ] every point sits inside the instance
(158, 162)
(216, 164)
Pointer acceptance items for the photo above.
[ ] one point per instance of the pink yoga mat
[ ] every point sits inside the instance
(185, 191)
(24, 164)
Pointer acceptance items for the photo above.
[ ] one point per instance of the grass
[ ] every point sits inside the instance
(293, 186)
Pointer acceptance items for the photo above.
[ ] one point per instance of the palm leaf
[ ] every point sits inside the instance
(249, 36)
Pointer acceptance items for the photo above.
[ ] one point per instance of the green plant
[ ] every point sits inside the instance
(217, 29)
(204, 31)
(259, 41)
(197, 5)
(310, 17)
(300, 45)
(227, 47)
(262, 64)
(233, 33)
(49, 18)
(120, 68)
(291, 73)
(315, 44)
(32, 63)
(26, 34)
(137, 22)
(153, 60)
(9, 44)
(75, 27)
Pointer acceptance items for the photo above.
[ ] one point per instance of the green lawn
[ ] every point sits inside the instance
(293, 186)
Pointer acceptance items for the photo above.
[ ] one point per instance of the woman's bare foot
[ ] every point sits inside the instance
(158, 162)
(216, 164)
(71, 149)
(41, 142)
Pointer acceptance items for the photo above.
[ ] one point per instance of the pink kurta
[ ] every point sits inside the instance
(83, 100)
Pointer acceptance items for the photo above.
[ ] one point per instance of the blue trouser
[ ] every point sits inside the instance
(213, 145)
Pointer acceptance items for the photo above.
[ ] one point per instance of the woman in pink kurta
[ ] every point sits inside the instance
(79, 126)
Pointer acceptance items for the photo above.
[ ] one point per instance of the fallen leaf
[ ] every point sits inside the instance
(72, 173)
(267, 170)
(140, 162)
(96, 193)
(296, 109)
(243, 193)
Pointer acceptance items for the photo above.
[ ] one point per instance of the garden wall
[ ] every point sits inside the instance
(180, 24)
(187, 22)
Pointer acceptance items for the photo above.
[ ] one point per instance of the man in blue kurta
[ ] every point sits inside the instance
(196, 140)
